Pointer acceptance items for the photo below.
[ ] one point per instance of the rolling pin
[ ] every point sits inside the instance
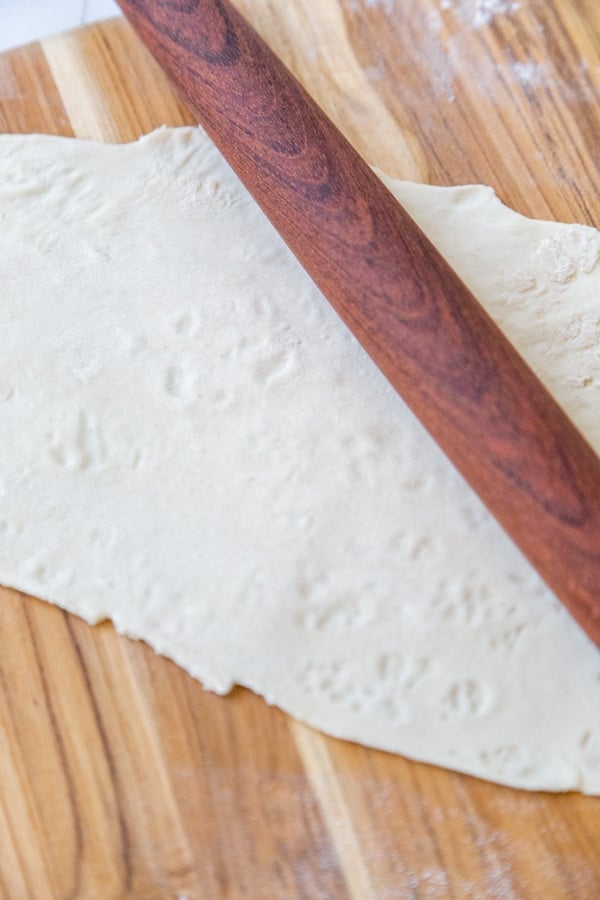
(423, 328)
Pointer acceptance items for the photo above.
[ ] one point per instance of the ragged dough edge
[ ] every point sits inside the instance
(568, 778)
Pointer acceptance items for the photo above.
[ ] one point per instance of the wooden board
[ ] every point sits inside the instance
(120, 776)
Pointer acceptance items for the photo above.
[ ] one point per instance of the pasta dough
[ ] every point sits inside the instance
(195, 447)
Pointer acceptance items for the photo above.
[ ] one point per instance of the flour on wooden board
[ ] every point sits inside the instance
(200, 451)
(479, 13)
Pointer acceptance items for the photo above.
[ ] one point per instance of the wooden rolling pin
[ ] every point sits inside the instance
(400, 298)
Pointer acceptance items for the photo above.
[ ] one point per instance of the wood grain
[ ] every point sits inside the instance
(121, 777)
(420, 324)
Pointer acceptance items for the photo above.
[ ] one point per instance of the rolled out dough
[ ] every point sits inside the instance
(195, 447)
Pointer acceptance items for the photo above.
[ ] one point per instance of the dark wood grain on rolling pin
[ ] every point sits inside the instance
(409, 310)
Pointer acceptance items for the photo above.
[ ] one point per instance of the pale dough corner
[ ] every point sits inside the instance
(200, 451)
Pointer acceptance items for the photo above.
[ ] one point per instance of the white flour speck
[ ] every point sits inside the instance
(486, 10)
(479, 13)
(528, 73)
(386, 5)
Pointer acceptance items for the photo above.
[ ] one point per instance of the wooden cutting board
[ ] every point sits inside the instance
(120, 777)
